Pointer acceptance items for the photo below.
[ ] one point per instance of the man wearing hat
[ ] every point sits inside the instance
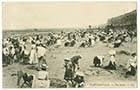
(75, 62)
(42, 79)
(98, 61)
(117, 43)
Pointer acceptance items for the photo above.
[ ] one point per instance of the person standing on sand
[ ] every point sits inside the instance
(75, 62)
(33, 53)
(41, 53)
(68, 76)
(25, 55)
(58, 42)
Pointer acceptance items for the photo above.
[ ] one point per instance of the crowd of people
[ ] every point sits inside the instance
(31, 49)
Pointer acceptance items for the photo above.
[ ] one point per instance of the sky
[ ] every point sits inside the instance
(25, 15)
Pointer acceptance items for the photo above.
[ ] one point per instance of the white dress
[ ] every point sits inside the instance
(33, 56)
(133, 61)
(41, 51)
(92, 42)
(59, 42)
(112, 59)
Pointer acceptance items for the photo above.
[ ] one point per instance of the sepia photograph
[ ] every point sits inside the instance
(69, 44)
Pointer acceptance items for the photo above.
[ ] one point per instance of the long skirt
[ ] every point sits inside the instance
(112, 66)
(68, 75)
(132, 71)
(33, 57)
(92, 42)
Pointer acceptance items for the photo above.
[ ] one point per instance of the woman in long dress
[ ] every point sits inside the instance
(59, 42)
(112, 61)
(33, 55)
(68, 76)
(132, 65)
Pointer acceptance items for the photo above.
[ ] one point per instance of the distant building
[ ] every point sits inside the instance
(126, 21)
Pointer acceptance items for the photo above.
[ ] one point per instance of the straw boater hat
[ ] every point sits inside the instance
(78, 55)
(26, 52)
(33, 46)
(112, 52)
(44, 45)
(67, 59)
(80, 73)
(134, 54)
(44, 66)
(101, 57)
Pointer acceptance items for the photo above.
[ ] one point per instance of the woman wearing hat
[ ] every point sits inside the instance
(41, 56)
(68, 76)
(33, 54)
(132, 65)
(42, 80)
(117, 43)
(112, 62)
(5, 56)
(25, 56)
(58, 42)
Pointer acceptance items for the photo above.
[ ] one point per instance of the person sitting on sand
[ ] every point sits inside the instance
(132, 65)
(98, 61)
(79, 79)
(42, 79)
(112, 62)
